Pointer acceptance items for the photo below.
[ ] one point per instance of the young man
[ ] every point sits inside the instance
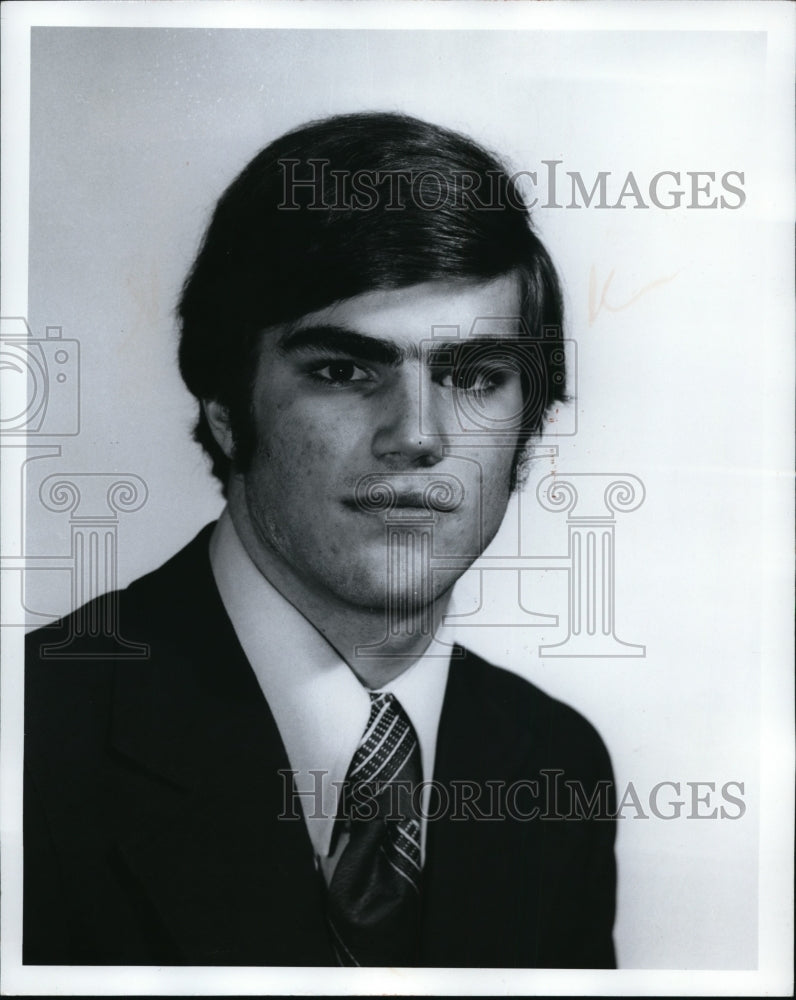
(306, 770)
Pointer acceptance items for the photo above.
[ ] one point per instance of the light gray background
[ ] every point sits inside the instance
(135, 132)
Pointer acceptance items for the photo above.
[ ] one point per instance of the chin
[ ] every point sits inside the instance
(373, 595)
(363, 594)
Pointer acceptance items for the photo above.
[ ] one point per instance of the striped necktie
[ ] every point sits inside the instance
(374, 895)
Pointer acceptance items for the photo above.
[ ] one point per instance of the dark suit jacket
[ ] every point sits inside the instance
(151, 830)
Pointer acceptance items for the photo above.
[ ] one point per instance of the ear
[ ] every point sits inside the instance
(218, 418)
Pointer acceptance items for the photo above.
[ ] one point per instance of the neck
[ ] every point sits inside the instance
(375, 650)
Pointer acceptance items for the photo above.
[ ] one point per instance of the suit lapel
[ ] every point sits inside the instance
(476, 894)
(199, 824)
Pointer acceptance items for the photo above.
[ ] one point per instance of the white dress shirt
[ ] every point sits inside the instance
(320, 707)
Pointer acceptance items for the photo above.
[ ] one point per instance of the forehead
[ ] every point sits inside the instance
(409, 315)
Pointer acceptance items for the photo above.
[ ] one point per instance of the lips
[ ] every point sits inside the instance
(384, 492)
(413, 499)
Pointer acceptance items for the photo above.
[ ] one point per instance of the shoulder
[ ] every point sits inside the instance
(82, 635)
(555, 732)
(69, 665)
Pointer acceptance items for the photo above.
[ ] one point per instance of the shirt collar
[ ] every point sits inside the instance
(320, 707)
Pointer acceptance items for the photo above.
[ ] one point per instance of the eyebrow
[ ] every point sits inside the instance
(342, 340)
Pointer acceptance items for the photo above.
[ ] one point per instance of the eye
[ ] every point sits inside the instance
(477, 379)
(340, 373)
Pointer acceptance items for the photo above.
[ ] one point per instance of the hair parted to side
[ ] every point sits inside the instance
(338, 207)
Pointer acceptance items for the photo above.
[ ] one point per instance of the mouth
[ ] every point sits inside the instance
(410, 501)
(381, 493)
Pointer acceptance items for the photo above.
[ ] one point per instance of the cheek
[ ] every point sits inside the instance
(298, 447)
(496, 465)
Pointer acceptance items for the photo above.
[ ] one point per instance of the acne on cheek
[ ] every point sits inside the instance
(305, 460)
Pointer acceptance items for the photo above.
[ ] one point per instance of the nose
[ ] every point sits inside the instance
(410, 425)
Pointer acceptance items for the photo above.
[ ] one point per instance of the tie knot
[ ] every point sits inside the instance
(385, 710)
(388, 751)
